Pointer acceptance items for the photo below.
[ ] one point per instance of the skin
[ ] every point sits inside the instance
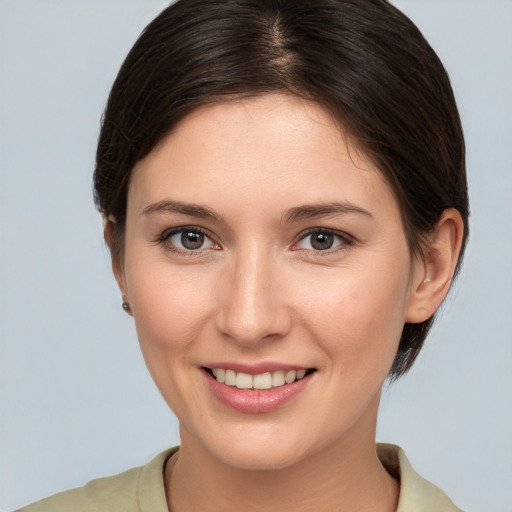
(257, 290)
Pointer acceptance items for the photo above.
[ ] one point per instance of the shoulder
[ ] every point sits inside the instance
(134, 490)
(416, 493)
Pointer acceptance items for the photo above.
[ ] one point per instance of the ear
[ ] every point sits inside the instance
(433, 273)
(109, 227)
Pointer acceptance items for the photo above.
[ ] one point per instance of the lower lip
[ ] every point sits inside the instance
(254, 401)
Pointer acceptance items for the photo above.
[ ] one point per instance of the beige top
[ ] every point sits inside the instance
(142, 489)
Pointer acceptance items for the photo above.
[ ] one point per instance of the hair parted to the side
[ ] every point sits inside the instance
(362, 60)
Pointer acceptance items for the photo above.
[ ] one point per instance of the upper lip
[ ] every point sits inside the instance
(255, 368)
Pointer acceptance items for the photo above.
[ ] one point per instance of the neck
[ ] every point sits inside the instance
(346, 477)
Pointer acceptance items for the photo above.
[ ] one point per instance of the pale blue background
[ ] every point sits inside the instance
(76, 401)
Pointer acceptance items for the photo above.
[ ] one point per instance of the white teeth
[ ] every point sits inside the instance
(262, 381)
(278, 378)
(243, 380)
(230, 378)
(290, 376)
(265, 380)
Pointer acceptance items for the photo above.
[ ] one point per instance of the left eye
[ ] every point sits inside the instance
(321, 240)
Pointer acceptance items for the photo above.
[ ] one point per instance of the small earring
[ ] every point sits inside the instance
(126, 307)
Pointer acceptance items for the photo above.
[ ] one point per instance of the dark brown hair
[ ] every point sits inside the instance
(362, 60)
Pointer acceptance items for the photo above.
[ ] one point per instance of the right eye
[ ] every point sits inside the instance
(187, 239)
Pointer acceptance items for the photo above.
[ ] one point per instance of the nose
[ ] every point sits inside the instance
(253, 305)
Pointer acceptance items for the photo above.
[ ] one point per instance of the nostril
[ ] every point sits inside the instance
(255, 326)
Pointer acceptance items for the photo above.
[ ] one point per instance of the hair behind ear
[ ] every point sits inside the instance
(437, 265)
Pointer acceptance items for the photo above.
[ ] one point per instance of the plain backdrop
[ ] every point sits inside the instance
(76, 401)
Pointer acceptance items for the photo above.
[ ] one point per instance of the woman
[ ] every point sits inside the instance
(284, 196)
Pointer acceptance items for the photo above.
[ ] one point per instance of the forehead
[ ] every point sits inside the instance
(278, 145)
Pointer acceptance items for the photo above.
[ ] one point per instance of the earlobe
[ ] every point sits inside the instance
(434, 274)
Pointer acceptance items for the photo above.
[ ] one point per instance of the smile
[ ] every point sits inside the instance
(254, 393)
(267, 380)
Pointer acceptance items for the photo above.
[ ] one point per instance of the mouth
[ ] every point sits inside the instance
(261, 381)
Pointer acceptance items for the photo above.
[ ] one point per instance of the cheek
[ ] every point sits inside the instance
(171, 311)
(363, 320)
(170, 307)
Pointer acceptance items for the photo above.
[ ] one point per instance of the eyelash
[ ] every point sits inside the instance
(345, 240)
(165, 237)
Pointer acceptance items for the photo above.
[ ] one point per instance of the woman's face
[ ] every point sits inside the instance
(262, 247)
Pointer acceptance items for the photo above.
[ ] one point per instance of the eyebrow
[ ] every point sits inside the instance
(294, 214)
(316, 210)
(193, 210)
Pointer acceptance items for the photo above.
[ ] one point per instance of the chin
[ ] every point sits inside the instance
(259, 457)
(245, 448)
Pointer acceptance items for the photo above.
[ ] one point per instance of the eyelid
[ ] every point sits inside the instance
(345, 238)
(164, 239)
